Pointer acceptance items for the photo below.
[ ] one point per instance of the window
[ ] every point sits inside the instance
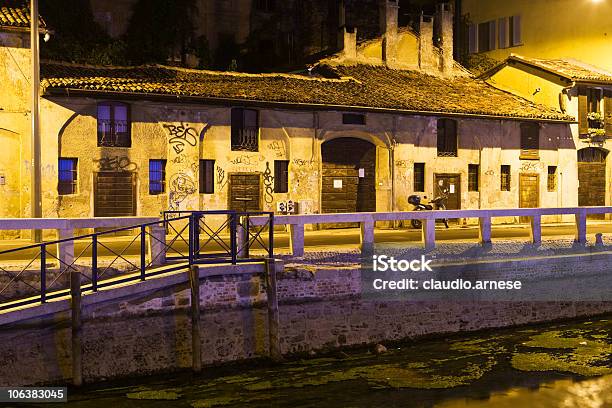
(419, 176)
(447, 138)
(207, 176)
(245, 129)
(114, 125)
(502, 32)
(281, 176)
(473, 170)
(552, 178)
(505, 178)
(67, 176)
(353, 119)
(515, 31)
(593, 99)
(486, 36)
(157, 176)
(530, 141)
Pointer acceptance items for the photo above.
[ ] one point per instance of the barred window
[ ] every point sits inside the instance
(245, 130)
(530, 140)
(419, 177)
(447, 138)
(281, 176)
(505, 177)
(207, 176)
(157, 176)
(67, 176)
(114, 125)
(473, 170)
(552, 178)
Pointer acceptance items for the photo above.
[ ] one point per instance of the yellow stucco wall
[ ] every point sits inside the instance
(579, 29)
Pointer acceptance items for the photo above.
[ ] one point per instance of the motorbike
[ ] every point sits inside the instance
(438, 203)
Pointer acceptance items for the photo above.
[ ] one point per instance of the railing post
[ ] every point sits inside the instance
(536, 229)
(94, 263)
(190, 243)
(273, 312)
(157, 244)
(43, 273)
(241, 236)
(65, 250)
(296, 237)
(196, 233)
(367, 236)
(143, 253)
(196, 345)
(581, 226)
(233, 237)
(271, 237)
(428, 234)
(484, 230)
(76, 332)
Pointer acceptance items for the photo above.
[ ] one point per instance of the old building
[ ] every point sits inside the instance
(369, 126)
(582, 91)
(545, 29)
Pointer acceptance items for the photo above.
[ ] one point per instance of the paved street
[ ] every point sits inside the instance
(323, 238)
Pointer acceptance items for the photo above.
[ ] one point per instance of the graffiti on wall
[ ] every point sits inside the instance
(248, 160)
(268, 180)
(221, 179)
(304, 162)
(278, 147)
(532, 166)
(180, 136)
(116, 163)
(404, 164)
(180, 186)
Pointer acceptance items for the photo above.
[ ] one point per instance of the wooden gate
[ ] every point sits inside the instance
(529, 192)
(245, 192)
(114, 194)
(592, 178)
(348, 177)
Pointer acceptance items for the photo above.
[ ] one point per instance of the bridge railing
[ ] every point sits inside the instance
(367, 221)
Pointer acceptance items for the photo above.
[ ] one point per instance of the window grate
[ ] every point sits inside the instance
(552, 178)
(447, 138)
(114, 125)
(281, 176)
(67, 176)
(157, 176)
(505, 178)
(207, 176)
(530, 141)
(245, 130)
(473, 170)
(419, 177)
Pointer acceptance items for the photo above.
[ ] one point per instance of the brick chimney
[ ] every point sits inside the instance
(388, 28)
(443, 33)
(347, 36)
(426, 57)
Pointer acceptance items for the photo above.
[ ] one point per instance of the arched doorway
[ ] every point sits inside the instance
(348, 176)
(592, 176)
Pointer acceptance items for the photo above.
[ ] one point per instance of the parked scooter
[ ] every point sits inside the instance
(438, 203)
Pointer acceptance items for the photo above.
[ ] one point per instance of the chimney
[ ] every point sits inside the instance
(444, 35)
(426, 56)
(347, 36)
(388, 27)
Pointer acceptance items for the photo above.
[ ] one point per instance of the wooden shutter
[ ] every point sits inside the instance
(583, 123)
(516, 30)
(608, 112)
(502, 28)
(492, 35)
(473, 34)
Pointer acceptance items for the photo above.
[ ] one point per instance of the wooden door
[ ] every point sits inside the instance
(245, 192)
(348, 177)
(114, 194)
(592, 178)
(449, 184)
(529, 192)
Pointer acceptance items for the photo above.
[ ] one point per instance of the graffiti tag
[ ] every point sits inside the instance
(116, 163)
(248, 160)
(180, 135)
(181, 186)
(268, 179)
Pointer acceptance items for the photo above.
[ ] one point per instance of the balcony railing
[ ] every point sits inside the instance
(246, 139)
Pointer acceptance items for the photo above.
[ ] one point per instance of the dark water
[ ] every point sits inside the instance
(555, 365)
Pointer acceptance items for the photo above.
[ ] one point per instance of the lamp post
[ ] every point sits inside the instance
(36, 182)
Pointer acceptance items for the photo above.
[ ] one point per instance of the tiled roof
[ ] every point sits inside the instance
(567, 68)
(362, 86)
(16, 14)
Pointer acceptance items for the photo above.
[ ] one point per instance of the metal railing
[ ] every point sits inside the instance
(40, 272)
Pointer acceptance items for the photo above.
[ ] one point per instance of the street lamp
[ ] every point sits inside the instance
(36, 182)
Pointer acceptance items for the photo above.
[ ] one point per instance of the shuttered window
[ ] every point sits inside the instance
(583, 108)
(608, 112)
(502, 31)
(207, 176)
(114, 125)
(473, 38)
(281, 176)
(447, 138)
(505, 178)
(593, 99)
(245, 130)
(530, 141)
(419, 177)
(552, 178)
(67, 176)
(486, 36)
(515, 31)
(157, 176)
(473, 170)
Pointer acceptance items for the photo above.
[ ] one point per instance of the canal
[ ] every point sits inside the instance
(553, 365)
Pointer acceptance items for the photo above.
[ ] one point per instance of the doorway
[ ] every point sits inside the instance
(114, 194)
(245, 192)
(529, 192)
(592, 178)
